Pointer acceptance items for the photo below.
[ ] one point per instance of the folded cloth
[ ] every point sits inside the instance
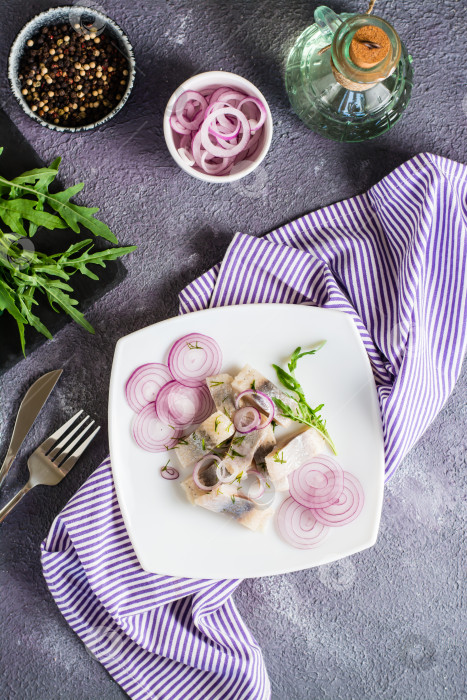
(160, 637)
(395, 260)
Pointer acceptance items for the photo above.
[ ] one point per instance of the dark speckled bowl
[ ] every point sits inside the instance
(73, 15)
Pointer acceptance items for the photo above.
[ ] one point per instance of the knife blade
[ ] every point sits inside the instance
(29, 409)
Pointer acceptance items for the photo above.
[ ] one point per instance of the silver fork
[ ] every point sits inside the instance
(52, 460)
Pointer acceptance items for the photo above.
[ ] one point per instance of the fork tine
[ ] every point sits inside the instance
(47, 444)
(71, 461)
(59, 446)
(67, 450)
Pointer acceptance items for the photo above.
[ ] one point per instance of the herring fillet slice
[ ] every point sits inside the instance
(242, 449)
(265, 447)
(212, 432)
(220, 388)
(225, 499)
(249, 377)
(286, 457)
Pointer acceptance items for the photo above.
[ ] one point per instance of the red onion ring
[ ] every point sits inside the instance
(298, 525)
(223, 474)
(259, 482)
(265, 403)
(208, 460)
(169, 473)
(246, 419)
(259, 123)
(222, 132)
(183, 406)
(193, 358)
(180, 108)
(152, 434)
(218, 150)
(318, 483)
(214, 168)
(176, 126)
(217, 130)
(185, 155)
(347, 507)
(144, 383)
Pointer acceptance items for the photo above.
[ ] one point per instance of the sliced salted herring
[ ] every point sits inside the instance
(220, 387)
(248, 378)
(285, 458)
(265, 447)
(225, 499)
(208, 435)
(242, 449)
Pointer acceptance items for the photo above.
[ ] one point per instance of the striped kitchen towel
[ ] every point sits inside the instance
(395, 260)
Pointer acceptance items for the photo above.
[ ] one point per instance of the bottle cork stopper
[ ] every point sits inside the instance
(369, 46)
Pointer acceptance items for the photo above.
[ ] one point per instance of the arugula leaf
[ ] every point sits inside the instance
(25, 205)
(303, 413)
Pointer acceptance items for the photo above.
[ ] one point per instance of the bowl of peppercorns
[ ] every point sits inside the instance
(71, 68)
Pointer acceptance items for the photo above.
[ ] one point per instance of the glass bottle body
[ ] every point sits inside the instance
(323, 103)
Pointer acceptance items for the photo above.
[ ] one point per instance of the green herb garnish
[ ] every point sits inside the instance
(203, 444)
(253, 384)
(232, 497)
(280, 459)
(195, 346)
(303, 413)
(232, 453)
(216, 424)
(238, 478)
(238, 440)
(212, 384)
(25, 205)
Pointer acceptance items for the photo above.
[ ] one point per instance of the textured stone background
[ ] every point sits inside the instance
(387, 623)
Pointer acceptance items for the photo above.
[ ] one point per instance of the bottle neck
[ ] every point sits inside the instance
(365, 51)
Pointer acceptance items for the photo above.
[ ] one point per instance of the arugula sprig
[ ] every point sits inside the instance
(303, 413)
(25, 205)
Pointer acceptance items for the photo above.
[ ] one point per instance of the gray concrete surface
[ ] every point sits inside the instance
(388, 623)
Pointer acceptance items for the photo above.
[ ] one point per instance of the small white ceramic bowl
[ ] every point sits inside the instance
(71, 14)
(217, 79)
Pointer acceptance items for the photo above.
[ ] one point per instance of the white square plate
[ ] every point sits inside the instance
(170, 536)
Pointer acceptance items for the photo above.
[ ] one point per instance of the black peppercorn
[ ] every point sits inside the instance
(72, 79)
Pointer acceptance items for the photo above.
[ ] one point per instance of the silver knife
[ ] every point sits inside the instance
(30, 407)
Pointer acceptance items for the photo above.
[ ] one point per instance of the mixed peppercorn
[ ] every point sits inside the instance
(72, 77)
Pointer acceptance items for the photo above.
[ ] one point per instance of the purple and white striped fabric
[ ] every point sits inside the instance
(160, 637)
(395, 259)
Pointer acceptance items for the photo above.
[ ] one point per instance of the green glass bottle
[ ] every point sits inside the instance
(359, 86)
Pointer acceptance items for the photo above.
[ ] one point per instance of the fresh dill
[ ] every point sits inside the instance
(253, 384)
(238, 478)
(216, 424)
(182, 442)
(203, 443)
(164, 469)
(232, 453)
(303, 413)
(232, 497)
(279, 457)
(238, 439)
(213, 384)
(194, 346)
